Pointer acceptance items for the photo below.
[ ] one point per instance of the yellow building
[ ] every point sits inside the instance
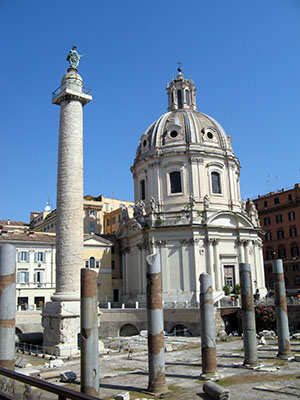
(94, 210)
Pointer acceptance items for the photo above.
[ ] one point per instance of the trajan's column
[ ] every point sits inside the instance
(60, 317)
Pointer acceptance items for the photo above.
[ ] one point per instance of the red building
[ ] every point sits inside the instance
(279, 214)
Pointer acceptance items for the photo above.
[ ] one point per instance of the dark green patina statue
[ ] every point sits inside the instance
(73, 57)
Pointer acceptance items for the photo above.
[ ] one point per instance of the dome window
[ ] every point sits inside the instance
(187, 97)
(216, 182)
(142, 189)
(179, 98)
(173, 134)
(145, 143)
(210, 135)
(175, 182)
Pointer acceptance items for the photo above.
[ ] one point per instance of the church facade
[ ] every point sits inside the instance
(188, 206)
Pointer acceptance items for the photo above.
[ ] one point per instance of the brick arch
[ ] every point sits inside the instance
(128, 330)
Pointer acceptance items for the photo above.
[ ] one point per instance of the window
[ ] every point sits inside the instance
(293, 232)
(175, 182)
(291, 215)
(265, 204)
(113, 250)
(297, 281)
(276, 200)
(281, 251)
(52, 225)
(280, 234)
(187, 97)
(270, 270)
(107, 222)
(278, 219)
(119, 218)
(97, 264)
(39, 256)
(215, 182)
(23, 256)
(113, 220)
(179, 98)
(268, 236)
(294, 250)
(38, 277)
(142, 189)
(23, 277)
(112, 264)
(39, 302)
(86, 264)
(295, 267)
(92, 227)
(92, 212)
(267, 221)
(290, 197)
(106, 207)
(269, 253)
(92, 262)
(285, 268)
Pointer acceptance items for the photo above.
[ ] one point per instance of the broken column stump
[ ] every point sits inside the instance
(248, 316)
(155, 323)
(282, 322)
(208, 333)
(7, 305)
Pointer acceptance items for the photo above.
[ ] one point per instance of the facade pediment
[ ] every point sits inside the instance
(230, 219)
(97, 241)
(128, 227)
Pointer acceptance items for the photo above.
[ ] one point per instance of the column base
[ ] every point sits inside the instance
(61, 323)
(210, 376)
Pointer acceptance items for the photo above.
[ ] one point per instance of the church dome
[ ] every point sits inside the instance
(183, 127)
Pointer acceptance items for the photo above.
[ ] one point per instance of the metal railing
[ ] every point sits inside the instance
(74, 82)
(9, 389)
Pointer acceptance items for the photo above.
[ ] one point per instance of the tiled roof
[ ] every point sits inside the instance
(27, 237)
(13, 223)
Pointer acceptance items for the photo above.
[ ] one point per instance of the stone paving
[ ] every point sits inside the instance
(183, 368)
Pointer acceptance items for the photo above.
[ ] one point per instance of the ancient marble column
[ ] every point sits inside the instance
(207, 326)
(282, 321)
(248, 316)
(63, 313)
(7, 305)
(89, 355)
(155, 325)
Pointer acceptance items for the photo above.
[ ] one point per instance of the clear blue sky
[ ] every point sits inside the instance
(244, 56)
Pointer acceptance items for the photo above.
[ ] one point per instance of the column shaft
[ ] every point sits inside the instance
(155, 322)
(248, 316)
(207, 321)
(282, 321)
(7, 305)
(89, 358)
(69, 219)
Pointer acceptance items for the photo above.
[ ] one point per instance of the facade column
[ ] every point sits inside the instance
(246, 245)
(210, 262)
(60, 317)
(217, 265)
(241, 251)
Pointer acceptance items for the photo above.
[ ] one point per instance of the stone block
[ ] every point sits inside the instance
(68, 376)
(123, 396)
(56, 363)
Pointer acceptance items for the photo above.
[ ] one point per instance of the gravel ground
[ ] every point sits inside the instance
(183, 368)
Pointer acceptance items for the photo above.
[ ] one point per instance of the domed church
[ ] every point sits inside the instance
(188, 206)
